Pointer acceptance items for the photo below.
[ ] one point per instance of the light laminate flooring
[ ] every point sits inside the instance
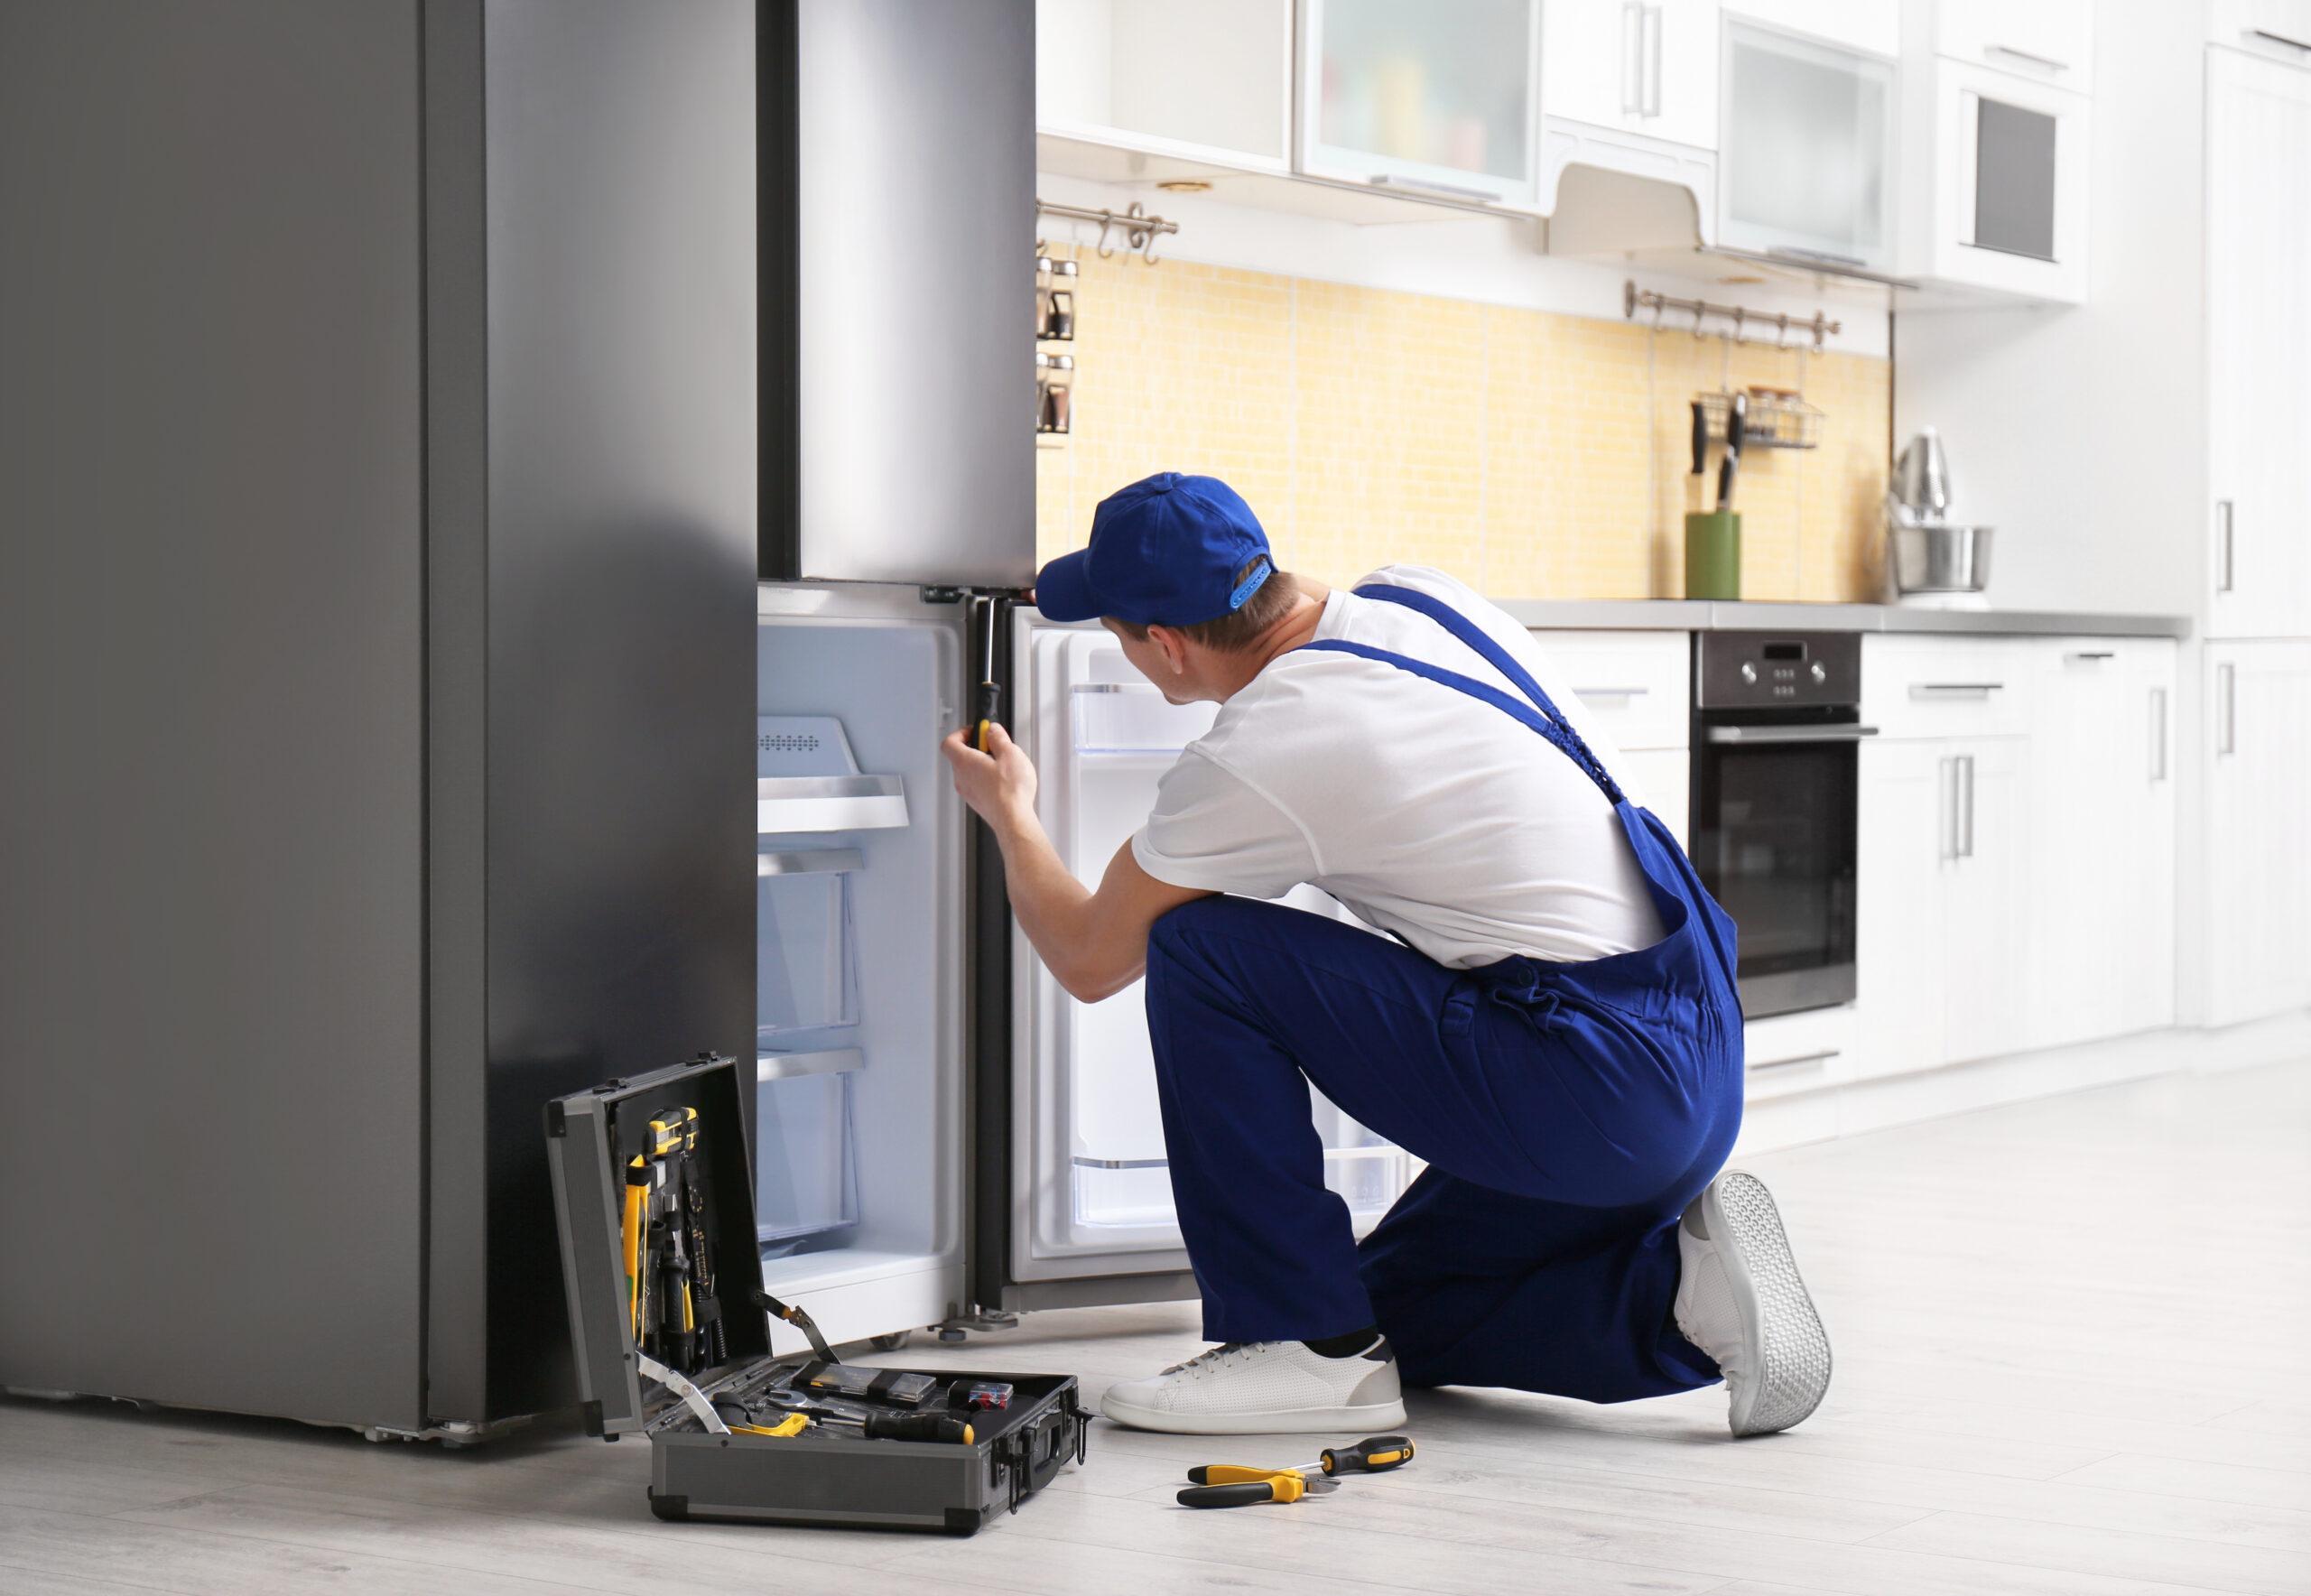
(2068, 1333)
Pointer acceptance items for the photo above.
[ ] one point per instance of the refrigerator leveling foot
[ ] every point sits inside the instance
(952, 1328)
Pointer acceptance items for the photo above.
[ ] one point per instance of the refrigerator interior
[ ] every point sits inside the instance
(860, 956)
(1096, 1183)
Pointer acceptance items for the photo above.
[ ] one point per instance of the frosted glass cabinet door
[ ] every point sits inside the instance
(1436, 97)
(1806, 147)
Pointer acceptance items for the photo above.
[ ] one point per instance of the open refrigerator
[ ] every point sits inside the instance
(942, 1133)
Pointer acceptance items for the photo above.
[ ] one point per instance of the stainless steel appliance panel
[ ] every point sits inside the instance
(912, 194)
(622, 497)
(212, 794)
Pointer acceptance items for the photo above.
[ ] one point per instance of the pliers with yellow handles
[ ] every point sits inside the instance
(1236, 1485)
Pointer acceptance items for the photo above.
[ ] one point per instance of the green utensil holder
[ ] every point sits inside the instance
(1713, 555)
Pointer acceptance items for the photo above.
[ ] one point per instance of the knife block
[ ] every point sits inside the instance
(1713, 555)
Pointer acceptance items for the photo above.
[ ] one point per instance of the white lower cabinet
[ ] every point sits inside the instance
(2101, 917)
(2258, 885)
(1942, 851)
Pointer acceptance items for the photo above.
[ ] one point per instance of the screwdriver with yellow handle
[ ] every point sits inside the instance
(1238, 1485)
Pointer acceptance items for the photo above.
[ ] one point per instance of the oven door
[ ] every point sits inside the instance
(1773, 837)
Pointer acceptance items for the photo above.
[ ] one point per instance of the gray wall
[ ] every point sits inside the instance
(211, 703)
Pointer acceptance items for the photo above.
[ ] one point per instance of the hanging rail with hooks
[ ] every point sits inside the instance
(1774, 327)
(1139, 229)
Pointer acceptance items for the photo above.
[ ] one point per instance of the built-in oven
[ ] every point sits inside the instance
(1775, 779)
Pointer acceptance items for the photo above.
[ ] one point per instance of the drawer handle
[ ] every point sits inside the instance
(1619, 692)
(2046, 61)
(2091, 654)
(1821, 1057)
(1976, 690)
(2278, 39)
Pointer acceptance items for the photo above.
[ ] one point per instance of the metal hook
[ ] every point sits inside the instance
(1106, 220)
(1700, 310)
(1781, 338)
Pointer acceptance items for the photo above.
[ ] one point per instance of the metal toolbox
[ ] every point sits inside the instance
(823, 1475)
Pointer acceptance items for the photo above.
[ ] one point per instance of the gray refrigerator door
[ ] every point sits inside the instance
(898, 194)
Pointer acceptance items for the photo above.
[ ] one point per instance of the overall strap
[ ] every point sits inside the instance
(1554, 726)
(1559, 734)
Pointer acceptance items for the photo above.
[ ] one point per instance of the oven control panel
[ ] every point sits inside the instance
(1776, 670)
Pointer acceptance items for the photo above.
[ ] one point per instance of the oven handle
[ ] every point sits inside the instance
(1789, 734)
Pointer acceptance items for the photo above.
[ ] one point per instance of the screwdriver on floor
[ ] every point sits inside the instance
(1237, 1485)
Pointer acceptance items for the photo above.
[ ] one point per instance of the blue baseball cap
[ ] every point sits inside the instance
(1165, 551)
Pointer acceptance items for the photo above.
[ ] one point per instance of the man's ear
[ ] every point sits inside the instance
(1174, 646)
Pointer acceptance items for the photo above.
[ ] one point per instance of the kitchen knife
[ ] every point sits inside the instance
(1735, 417)
(1701, 438)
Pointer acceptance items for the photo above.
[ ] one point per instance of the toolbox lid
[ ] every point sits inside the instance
(590, 1139)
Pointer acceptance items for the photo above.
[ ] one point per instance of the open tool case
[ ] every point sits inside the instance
(826, 1474)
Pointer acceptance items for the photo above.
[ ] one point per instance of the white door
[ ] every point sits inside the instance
(1641, 65)
(861, 957)
(2259, 846)
(1903, 848)
(1997, 193)
(1806, 165)
(2259, 346)
(2100, 909)
(1091, 1212)
(1986, 907)
(2050, 40)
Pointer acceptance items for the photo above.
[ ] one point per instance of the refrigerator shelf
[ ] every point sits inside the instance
(1377, 1150)
(1111, 718)
(825, 1060)
(793, 803)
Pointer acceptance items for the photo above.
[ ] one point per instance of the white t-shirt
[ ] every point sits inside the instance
(1428, 812)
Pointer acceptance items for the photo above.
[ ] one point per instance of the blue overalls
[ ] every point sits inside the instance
(1567, 1112)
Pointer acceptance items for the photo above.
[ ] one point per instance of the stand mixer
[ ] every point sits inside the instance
(1931, 560)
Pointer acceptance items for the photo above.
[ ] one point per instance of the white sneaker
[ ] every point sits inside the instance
(1265, 1387)
(1740, 1300)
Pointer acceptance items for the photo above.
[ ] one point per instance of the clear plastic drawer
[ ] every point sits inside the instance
(1133, 718)
(806, 959)
(806, 1173)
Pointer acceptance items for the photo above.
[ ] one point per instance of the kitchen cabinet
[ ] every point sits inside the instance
(2259, 346)
(2258, 885)
(1994, 181)
(1431, 99)
(1804, 160)
(2278, 29)
(2051, 40)
(1644, 67)
(1872, 26)
(1942, 852)
(2101, 901)
(1197, 79)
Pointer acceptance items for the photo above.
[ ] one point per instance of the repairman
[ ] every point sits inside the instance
(1549, 1022)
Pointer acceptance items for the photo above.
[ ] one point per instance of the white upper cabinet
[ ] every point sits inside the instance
(1199, 79)
(1643, 67)
(1805, 161)
(2259, 346)
(2278, 29)
(1424, 97)
(1995, 181)
(2050, 40)
(1874, 26)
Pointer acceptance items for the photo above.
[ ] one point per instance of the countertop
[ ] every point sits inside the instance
(1703, 614)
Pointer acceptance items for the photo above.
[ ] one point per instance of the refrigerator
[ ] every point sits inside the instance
(943, 1135)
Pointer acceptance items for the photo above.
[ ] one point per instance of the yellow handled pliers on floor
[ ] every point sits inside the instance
(1233, 1484)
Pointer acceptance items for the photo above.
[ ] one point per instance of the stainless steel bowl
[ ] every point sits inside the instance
(1940, 558)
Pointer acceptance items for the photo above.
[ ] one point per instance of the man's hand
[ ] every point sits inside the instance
(1000, 785)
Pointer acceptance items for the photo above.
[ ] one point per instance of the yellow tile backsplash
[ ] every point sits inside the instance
(1532, 454)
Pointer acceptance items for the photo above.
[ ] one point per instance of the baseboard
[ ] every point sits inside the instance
(1837, 1108)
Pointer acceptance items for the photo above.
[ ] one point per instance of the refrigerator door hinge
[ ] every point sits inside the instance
(940, 593)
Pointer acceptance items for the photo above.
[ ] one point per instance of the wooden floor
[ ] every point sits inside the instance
(2070, 1339)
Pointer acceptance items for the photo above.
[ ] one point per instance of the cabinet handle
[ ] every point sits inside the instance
(2222, 519)
(1945, 808)
(1980, 690)
(2088, 655)
(1421, 185)
(1966, 849)
(2226, 677)
(1632, 58)
(2157, 734)
(1653, 23)
(2278, 39)
(1619, 692)
(2046, 61)
(1820, 1056)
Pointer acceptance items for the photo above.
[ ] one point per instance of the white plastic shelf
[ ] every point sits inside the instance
(1133, 1192)
(789, 804)
(1133, 718)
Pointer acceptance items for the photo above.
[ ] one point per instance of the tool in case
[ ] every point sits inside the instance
(653, 1191)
